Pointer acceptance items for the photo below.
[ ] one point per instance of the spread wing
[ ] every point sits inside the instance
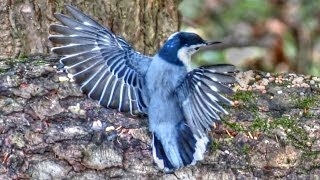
(200, 93)
(105, 65)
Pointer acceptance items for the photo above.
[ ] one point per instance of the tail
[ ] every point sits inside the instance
(177, 148)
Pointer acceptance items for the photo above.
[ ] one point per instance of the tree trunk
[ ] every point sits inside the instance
(144, 23)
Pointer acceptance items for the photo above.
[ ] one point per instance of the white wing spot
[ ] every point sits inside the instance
(86, 23)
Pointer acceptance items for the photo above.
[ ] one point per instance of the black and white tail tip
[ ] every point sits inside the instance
(190, 149)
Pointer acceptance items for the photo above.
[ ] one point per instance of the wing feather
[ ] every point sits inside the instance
(200, 94)
(105, 65)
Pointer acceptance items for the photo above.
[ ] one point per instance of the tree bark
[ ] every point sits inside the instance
(144, 23)
(50, 130)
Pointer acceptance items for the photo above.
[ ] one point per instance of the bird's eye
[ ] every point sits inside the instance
(196, 48)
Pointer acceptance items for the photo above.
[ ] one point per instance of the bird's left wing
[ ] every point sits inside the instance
(200, 92)
(105, 65)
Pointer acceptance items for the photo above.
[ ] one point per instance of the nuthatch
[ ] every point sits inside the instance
(181, 102)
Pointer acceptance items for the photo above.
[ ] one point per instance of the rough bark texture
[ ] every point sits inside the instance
(144, 23)
(50, 130)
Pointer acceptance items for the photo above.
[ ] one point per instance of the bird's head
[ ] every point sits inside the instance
(180, 46)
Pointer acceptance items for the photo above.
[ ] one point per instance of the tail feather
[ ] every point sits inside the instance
(159, 155)
(187, 144)
(174, 152)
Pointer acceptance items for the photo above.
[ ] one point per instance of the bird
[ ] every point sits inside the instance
(182, 103)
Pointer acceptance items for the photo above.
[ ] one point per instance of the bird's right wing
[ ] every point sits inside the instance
(105, 65)
(200, 92)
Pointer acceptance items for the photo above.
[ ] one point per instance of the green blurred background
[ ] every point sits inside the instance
(268, 35)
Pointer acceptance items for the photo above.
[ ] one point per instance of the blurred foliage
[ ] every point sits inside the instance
(285, 32)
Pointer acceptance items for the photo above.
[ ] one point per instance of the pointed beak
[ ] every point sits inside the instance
(206, 44)
(212, 42)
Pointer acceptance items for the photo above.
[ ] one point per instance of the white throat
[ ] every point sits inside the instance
(184, 54)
